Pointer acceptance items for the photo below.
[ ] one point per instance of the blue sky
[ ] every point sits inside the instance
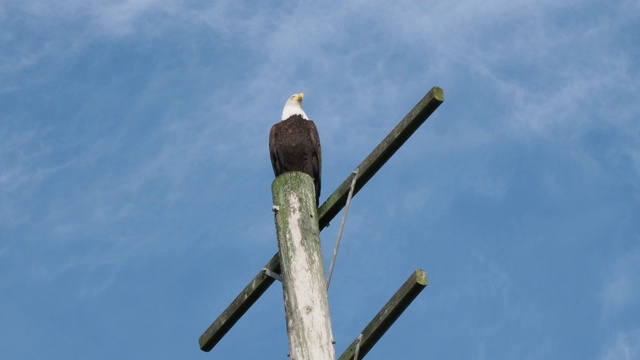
(135, 177)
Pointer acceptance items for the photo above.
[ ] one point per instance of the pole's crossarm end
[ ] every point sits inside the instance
(381, 154)
(387, 316)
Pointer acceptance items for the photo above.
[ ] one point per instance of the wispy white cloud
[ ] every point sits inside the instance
(625, 346)
(620, 291)
(23, 166)
(555, 72)
(320, 40)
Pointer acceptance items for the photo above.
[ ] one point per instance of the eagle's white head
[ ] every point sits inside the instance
(293, 106)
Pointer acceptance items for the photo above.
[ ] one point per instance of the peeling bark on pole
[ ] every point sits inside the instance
(304, 284)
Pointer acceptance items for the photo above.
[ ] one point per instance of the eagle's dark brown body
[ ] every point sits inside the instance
(294, 145)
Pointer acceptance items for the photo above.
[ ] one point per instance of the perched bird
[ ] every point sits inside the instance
(294, 143)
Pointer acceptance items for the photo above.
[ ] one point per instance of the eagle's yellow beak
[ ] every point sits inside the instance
(299, 97)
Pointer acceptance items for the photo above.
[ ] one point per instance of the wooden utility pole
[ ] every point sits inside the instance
(303, 278)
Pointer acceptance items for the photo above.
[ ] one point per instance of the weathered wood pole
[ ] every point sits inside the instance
(303, 278)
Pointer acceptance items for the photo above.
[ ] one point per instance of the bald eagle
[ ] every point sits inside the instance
(294, 143)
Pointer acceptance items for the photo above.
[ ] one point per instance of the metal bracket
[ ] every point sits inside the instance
(272, 274)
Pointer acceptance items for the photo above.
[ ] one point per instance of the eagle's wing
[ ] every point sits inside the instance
(316, 159)
(273, 151)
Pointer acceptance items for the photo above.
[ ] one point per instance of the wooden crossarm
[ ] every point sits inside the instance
(387, 316)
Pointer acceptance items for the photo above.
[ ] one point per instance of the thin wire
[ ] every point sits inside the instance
(357, 354)
(344, 219)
